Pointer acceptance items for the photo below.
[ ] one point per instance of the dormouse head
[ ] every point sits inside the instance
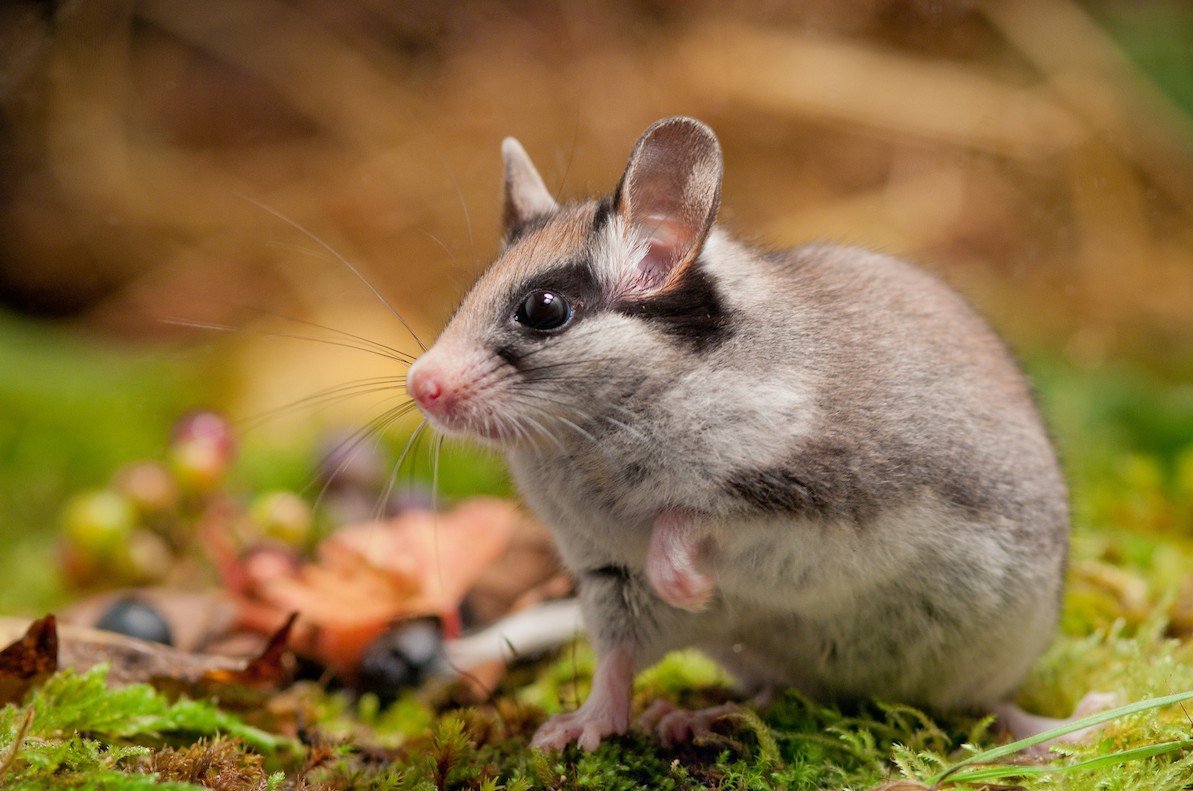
(590, 306)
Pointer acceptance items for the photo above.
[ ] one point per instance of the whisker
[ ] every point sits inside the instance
(630, 429)
(324, 398)
(583, 361)
(435, 509)
(571, 156)
(554, 417)
(397, 469)
(550, 416)
(373, 427)
(200, 325)
(483, 377)
(536, 387)
(451, 174)
(381, 346)
(457, 271)
(341, 259)
(543, 431)
(577, 411)
(581, 431)
(522, 431)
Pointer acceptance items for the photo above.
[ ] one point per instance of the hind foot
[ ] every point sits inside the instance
(1022, 725)
(674, 725)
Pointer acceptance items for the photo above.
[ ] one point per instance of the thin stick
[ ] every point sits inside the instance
(17, 743)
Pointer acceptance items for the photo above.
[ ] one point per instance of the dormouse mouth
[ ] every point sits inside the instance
(469, 427)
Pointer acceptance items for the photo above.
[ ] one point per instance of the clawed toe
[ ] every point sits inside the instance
(1095, 702)
(584, 727)
(674, 725)
(556, 733)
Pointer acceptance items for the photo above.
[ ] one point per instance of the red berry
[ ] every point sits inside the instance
(207, 427)
(201, 450)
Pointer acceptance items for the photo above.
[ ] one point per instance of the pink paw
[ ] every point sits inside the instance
(679, 584)
(1023, 725)
(585, 726)
(674, 725)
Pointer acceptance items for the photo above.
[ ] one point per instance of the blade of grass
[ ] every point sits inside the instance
(1000, 771)
(988, 756)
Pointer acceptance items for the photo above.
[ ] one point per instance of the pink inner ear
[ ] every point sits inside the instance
(668, 240)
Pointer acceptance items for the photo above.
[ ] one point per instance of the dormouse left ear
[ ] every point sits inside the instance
(668, 197)
(526, 195)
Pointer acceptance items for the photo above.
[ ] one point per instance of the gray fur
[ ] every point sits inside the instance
(887, 511)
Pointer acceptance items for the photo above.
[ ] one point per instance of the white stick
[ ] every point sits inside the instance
(532, 631)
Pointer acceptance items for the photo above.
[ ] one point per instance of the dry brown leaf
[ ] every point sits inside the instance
(272, 668)
(29, 659)
(367, 576)
(131, 660)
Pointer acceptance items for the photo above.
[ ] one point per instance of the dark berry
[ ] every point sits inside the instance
(346, 464)
(134, 618)
(401, 658)
(411, 497)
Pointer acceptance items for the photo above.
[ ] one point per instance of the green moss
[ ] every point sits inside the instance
(82, 733)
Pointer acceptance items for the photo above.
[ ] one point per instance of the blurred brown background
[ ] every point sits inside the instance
(1016, 147)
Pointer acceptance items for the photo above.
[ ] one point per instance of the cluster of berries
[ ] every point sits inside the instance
(143, 526)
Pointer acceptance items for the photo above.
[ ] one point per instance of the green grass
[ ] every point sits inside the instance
(70, 413)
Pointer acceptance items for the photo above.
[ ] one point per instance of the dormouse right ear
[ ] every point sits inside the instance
(668, 197)
(526, 195)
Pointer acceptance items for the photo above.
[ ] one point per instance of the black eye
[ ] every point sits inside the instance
(544, 310)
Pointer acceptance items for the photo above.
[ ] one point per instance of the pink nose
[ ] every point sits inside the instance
(426, 386)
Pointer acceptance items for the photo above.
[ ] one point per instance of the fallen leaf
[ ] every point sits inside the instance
(29, 659)
(135, 661)
(269, 669)
(370, 575)
(197, 618)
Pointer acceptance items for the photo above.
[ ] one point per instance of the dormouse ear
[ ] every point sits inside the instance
(526, 195)
(668, 196)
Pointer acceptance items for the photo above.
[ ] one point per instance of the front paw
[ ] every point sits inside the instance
(586, 727)
(678, 582)
(677, 546)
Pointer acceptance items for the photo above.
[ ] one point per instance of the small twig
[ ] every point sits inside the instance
(17, 743)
